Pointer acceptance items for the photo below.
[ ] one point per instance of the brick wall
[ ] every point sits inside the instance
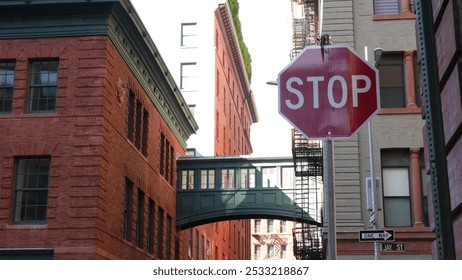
(90, 154)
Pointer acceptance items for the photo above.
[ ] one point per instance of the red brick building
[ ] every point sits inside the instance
(234, 111)
(92, 123)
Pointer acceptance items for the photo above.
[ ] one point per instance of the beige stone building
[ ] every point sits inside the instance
(396, 133)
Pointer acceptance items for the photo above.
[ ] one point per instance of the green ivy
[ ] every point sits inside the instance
(234, 6)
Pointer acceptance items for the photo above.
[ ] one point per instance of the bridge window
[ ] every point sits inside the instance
(227, 178)
(208, 179)
(187, 179)
(248, 178)
(288, 177)
(269, 177)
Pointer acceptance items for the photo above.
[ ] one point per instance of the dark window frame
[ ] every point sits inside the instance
(150, 229)
(140, 219)
(18, 192)
(392, 80)
(160, 233)
(128, 209)
(7, 85)
(34, 103)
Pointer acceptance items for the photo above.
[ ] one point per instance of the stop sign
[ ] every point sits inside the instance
(328, 92)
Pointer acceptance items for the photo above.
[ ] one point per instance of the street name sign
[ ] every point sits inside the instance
(376, 235)
(328, 92)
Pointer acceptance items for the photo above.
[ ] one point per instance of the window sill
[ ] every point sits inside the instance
(400, 111)
(401, 16)
(26, 226)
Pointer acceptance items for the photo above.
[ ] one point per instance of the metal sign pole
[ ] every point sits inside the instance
(374, 219)
(330, 203)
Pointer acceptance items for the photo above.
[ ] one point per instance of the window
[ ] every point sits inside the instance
(227, 178)
(270, 226)
(43, 86)
(282, 226)
(248, 178)
(150, 233)
(187, 179)
(188, 76)
(172, 164)
(128, 208)
(168, 238)
(140, 219)
(396, 192)
(167, 160)
(162, 154)
(208, 179)
(257, 252)
(283, 251)
(131, 116)
(269, 177)
(270, 251)
(137, 124)
(393, 7)
(386, 7)
(391, 71)
(257, 226)
(31, 183)
(188, 35)
(288, 177)
(144, 137)
(160, 234)
(7, 70)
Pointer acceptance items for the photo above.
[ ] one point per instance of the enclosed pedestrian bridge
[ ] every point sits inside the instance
(212, 189)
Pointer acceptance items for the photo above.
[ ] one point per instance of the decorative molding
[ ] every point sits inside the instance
(122, 91)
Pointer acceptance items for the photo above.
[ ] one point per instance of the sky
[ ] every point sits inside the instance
(267, 32)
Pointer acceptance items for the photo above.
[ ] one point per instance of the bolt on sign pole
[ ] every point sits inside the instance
(330, 188)
(435, 131)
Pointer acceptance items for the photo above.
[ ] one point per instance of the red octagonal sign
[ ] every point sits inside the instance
(328, 92)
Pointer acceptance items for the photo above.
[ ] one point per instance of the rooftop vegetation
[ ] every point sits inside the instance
(234, 6)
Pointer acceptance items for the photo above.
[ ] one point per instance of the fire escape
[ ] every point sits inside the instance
(307, 154)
